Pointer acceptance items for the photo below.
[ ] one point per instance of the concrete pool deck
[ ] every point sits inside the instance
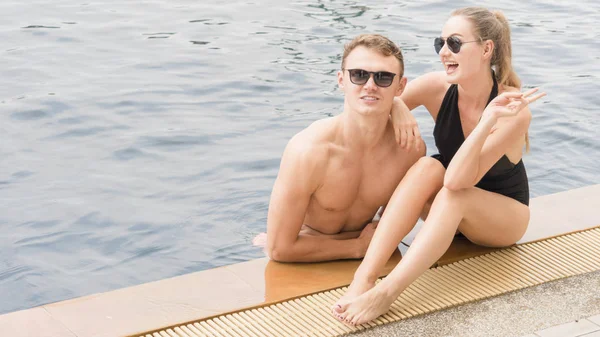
(255, 283)
(565, 308)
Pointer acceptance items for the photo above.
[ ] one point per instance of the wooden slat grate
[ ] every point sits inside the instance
(438, 288)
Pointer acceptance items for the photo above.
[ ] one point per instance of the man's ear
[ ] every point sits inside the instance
(401, 87)
(488, 49)
(340, 77)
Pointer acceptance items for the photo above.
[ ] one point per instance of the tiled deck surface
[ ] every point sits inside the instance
(515, 314)
(255, 283)
(588, 327)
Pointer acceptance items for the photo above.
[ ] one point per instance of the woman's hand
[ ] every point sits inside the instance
(405, 125)
(508, 104)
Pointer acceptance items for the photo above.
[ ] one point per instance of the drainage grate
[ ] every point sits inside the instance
(464, 281)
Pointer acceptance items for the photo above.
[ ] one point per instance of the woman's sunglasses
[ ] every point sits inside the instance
(382, 78)
(453, 42)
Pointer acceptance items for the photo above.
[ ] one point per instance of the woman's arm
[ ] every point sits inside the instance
(424, 90)
(483, 148)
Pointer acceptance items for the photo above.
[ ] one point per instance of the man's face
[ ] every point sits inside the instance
(369, 98)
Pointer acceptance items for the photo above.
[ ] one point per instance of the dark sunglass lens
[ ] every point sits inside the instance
(454, 44)
(384, 78)
(438, 43)
(359, 76)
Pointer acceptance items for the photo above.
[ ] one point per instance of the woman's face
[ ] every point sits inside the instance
(462, 53)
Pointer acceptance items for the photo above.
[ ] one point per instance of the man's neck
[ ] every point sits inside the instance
(362, 132)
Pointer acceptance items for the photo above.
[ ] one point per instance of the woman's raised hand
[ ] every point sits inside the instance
(509, 103)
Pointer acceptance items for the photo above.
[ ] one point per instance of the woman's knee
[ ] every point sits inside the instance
(456, 198)
(429, 167)
(444, 198)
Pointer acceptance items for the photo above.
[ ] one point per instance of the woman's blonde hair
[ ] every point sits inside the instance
(492, 25)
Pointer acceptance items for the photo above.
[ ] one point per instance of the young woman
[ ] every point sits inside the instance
(476, 185)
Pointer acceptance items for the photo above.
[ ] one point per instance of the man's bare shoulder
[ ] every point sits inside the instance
(314, 139)
(310, 148)
(319, 131)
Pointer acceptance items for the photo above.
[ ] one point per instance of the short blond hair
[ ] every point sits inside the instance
(379, 43)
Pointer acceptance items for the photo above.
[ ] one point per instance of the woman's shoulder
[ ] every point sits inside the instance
(434, 80)
(425, 89)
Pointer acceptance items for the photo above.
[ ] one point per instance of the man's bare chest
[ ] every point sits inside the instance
(358, 186)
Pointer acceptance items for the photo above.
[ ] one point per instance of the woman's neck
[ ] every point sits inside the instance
(474, 93)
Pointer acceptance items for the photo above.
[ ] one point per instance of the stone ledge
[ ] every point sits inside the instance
(259, 282)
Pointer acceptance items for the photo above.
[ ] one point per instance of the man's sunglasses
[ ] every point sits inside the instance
(453, 42)
(382, 78)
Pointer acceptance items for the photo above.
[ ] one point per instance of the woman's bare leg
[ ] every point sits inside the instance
(484, 217)
(420, 183)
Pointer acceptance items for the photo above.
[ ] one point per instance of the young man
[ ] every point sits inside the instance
(339, 171)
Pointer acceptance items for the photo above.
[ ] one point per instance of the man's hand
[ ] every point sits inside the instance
(365, 237)
(261, 241)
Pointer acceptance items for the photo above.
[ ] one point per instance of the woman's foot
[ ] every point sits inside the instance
(366, 307)
(355, 289)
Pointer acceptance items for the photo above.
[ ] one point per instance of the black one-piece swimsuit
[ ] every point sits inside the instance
(504, 177)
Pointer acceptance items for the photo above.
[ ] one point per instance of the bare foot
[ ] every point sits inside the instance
(366, 307)
(355, 289)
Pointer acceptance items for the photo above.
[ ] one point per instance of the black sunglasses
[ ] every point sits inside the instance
(454, 44)
(382, 78)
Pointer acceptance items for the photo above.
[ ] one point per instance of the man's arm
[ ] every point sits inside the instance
(420, 91)
(302, 168)
(338, 236)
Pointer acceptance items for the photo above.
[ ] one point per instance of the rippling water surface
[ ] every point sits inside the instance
(141, 141)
